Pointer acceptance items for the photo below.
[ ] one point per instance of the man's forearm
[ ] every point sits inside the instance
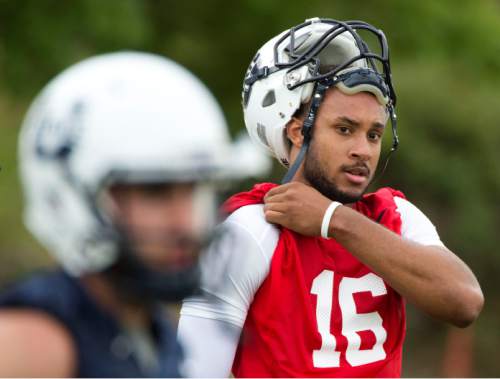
(431, 277)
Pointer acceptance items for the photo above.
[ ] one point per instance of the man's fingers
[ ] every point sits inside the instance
(273, 217)
(276, 206)
(277, 190)
(279, 198)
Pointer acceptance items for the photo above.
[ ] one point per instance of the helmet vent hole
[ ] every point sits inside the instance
(261, 132)
(269, 99)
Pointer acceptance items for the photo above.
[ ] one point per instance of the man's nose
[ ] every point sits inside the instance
(181, 213)
(360, 149)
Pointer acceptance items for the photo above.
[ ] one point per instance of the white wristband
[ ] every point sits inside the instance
(327, 217)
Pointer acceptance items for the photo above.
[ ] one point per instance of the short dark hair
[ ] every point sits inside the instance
(302, 110)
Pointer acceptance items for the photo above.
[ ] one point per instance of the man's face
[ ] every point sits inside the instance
(346, 143)
(159, 221)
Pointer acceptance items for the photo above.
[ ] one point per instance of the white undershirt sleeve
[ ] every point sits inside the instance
(209, 346)
(416, 226)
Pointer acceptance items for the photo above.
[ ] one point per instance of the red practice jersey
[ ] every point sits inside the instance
(320, 312)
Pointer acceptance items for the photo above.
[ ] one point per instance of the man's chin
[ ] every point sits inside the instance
(342, 196)
(339, 190)
(349, 196)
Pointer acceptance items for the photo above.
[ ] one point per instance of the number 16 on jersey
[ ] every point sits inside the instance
(352, 322)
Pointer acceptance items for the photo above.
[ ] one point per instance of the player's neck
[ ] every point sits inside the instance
(127, 313)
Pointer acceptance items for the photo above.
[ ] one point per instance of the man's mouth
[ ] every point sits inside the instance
(356, 174)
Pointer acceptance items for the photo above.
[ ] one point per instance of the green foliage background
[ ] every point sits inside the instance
(446, 67)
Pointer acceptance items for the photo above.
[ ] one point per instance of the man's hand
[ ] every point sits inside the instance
(296, 206)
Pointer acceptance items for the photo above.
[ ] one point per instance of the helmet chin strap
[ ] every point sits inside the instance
(318, 94)
(395, 142)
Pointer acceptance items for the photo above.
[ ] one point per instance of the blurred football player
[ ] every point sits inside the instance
(317, 271)
(119, 156)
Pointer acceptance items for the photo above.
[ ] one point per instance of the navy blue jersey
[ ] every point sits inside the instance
(101, 344)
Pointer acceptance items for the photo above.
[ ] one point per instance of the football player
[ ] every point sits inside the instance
(317, 271)
(119, 156)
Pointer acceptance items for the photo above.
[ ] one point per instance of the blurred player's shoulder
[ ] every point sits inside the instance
(251, 218)
(48, 288)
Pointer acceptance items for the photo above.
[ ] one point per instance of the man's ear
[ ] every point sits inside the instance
(294, 131)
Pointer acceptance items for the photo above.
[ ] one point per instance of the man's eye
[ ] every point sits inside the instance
(374, 136)
(343, 130)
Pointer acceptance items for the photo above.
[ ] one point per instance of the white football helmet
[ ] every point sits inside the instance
(283, 74)
(130, 116)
